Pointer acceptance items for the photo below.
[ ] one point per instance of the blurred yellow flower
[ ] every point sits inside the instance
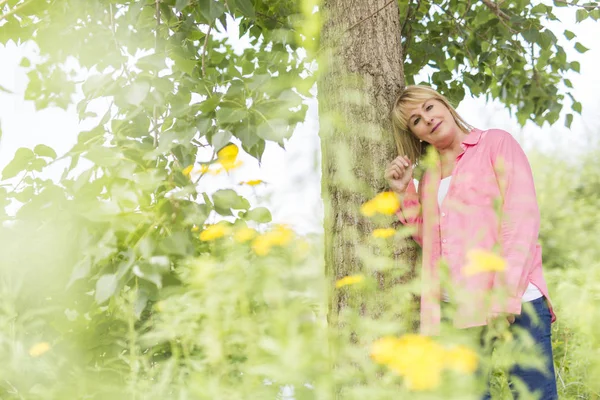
(213, 232)
(384, 203)
(418, 359)
(479, 260)
(227, 156)
(262, 245)
(242, 235)
(349, 280)
(188, 170)
(384, 350)
(38, 349)
(384, 232)
(253, 182)
(206, 169)
(280, 235)
(461, 359)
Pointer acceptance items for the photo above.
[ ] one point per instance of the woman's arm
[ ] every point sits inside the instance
(519, 219)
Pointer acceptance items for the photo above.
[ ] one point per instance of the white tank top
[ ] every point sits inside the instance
(531, 293)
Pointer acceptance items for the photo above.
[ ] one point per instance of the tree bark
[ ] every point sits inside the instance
(361, 73)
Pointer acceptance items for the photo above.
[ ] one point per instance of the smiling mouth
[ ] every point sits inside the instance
(435, 127)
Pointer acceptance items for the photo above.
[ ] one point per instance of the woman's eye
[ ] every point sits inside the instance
(416, 121)
(429, 107)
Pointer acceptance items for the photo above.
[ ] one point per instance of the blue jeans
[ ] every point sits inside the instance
(541, 382)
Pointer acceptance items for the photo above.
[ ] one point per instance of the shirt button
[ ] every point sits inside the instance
(444, 241)
(443, 214)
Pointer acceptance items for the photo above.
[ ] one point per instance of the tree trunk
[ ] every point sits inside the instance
(361, 73)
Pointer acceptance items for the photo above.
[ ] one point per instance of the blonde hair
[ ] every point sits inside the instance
(406, 142)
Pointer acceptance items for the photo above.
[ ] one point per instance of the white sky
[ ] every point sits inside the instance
(293, 186)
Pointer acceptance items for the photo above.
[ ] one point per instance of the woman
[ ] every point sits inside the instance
(476, 198)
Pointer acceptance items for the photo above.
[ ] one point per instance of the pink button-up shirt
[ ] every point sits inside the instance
(490, 205)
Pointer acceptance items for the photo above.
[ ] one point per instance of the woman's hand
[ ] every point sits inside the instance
(399, 173)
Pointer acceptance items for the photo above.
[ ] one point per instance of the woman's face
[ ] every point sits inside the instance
(432, 122)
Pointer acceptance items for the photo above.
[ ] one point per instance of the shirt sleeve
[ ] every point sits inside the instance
(410, 213)
(519, 220)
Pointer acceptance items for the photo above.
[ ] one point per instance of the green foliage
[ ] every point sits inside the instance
(568, 198)
(107, 288)
(505, 53)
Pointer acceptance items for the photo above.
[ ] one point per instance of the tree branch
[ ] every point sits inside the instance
(496, 10)
(204, 50)
(408, 35)
(155, 109)
(588, 7)
(14, 10)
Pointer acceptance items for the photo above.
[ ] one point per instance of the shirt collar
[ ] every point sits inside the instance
(472, 138)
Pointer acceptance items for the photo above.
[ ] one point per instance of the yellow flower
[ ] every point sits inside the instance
(253, 182)
(479, 260)
(244, 234)
(384, 203)
(188, 170)
(281, 235)
(420, 360)
(349, 280)
(205, 169)
(38, 349)
(384, 232)
(384, 350)
(213, 232)
(262, 245)
(461, 359)
(227, 156)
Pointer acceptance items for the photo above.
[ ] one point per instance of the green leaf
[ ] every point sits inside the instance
(211, 9)
(25, 63)
(568, 120)
(5, 90)
(259, 214)
(575, 66)
(105, 287)
(228, 198)
(568, 83)
(531, 35)
(569, 35)
(20, 162)
(231, 115)
(581, 14)
(137, 92)
(94, 84)
(274, 130)
(81, 270)
(580, 48)
(220, 139)
(102, 156)
(155, 61)
(177, 244)
(577, 107)
(184, 64)
(246, 7)
(181, 4)
(149, 273)
(44, 151)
